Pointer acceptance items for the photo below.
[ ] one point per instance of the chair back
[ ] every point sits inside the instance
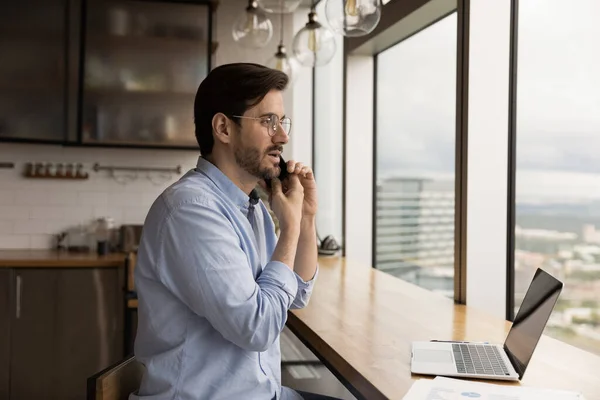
(116, 382)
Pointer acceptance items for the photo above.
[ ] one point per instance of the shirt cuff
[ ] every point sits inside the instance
(305, 287)
(280, 274)
(302, 283)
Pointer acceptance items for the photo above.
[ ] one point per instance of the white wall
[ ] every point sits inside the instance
(300, 144)
(329, 170)
(32, 211)
(359, 159)
(488, 155)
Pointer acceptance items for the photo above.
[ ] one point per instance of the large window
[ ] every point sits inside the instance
(558, 163)
(415, 152)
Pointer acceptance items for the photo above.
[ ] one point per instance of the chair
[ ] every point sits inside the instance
(117, 381)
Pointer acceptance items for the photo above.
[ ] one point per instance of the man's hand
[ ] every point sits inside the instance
(287, 203)
(307, 180)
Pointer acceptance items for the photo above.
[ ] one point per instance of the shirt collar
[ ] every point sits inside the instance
(222, 182)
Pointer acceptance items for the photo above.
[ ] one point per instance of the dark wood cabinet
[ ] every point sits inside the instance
(5, 311)
(33, 334)
(95, 298)
(33, 70)
(143, 63)
(116, 73)
(66, 326)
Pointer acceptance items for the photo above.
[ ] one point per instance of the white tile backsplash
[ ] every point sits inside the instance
(12, 213)
(33, 211)
(6, 227)
(32, 227)
(93, 198)
(46, 213)
(7, 198)
(15, 241)
(42, 241)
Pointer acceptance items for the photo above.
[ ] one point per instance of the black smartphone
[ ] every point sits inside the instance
(282, 175)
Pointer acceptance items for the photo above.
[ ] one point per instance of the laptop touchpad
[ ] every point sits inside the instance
(433, 356)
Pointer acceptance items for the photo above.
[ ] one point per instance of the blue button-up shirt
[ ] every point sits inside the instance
(211, 303)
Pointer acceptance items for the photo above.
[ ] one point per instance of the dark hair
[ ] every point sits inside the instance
(231, 89)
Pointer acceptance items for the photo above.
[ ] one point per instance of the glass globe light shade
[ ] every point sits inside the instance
(252, 29)
(314, 45)
(353, 17)
(282, 62)
(279, 6)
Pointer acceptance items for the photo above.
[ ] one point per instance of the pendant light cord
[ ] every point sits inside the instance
(281, 24)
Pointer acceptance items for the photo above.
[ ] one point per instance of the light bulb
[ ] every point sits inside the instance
(279, 6)
(282, 62)
(350, 8)
(251, 21)
(252, 29)
(314, 45)
(353, 17)
(279, 64)
(313, 42)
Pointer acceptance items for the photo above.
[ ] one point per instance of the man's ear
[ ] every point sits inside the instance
(222, 127)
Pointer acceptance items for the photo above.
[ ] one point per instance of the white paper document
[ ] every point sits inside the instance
(442, 388)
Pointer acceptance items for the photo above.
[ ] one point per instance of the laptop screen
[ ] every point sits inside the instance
(531, 319)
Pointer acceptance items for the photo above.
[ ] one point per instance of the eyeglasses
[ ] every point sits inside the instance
(273, 123)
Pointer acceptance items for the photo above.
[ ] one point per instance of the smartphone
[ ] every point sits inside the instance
(282, 175)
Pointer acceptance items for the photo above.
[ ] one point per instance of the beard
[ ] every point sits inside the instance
(250, 160)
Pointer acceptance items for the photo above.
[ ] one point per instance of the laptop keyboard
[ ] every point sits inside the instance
(478, 359)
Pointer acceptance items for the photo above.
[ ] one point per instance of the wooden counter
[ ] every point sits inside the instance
(360, 322)
(56, 259)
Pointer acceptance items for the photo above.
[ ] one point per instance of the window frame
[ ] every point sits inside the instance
(512, 161)
(460, 156)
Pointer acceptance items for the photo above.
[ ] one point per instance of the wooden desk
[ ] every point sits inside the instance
(360, 322)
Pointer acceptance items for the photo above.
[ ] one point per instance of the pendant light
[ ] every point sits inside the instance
(281, 61)
(253, 29)
(279, 7)
(314, 45)
(353, 17)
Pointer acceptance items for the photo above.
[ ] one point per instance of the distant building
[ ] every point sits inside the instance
(545, 241)
(590, 234)
(415, 231)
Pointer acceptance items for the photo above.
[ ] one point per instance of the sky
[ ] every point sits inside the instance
(558, 102)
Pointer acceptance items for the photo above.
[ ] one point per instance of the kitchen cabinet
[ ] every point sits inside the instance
(32, 331)
(5, 307)
(143, 64)
(66, 325)
(111, 73)
(95, 298)
(33, 47)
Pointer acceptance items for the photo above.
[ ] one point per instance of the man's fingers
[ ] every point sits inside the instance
(306, 173)
(293, 181)
(298, 168)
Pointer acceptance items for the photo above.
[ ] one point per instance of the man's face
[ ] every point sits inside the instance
(255, 150)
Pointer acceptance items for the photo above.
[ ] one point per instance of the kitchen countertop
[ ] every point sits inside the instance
(57, 259)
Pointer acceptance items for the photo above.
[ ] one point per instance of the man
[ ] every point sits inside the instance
(214, 282)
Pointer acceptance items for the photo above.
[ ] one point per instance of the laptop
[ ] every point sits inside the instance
(493, 361)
